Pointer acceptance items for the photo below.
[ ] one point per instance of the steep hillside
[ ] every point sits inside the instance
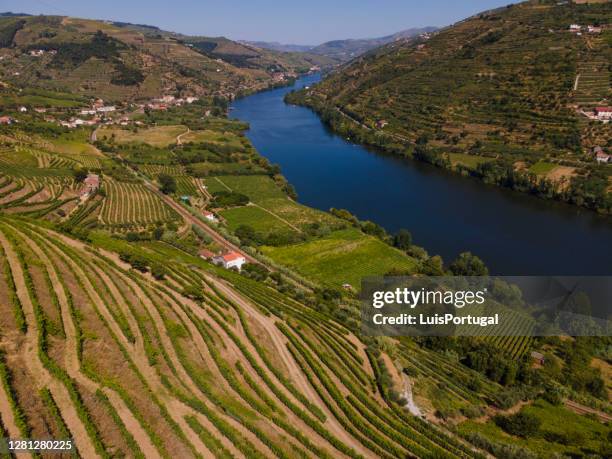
(119, 61)
(512, 84)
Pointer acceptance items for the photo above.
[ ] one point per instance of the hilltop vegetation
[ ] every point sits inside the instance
(501, 85)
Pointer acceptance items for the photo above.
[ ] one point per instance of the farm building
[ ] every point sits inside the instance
(575, 28)
(603, 113)
(230, 260)
(90, 184)
(210, 216)
(6, 120)
(602, 158)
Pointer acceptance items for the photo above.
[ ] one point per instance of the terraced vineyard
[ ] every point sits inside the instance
(132, 205)
(127, 364)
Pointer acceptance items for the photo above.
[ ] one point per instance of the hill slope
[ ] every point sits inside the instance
(501, 84)
(118, 60)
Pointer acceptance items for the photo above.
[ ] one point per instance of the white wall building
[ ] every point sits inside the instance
(230, 260)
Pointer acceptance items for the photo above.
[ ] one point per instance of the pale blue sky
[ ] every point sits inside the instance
(304, 22)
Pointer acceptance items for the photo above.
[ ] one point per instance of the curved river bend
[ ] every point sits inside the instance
(514, 234)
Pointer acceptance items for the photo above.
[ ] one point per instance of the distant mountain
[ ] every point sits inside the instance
(344, 50)
(276, 46)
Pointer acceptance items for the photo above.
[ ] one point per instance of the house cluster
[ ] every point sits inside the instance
(579, 29)
(601, 156)
(227, 260)
(41, 52)
(90, 185)
(163, 103)
(278, 77)
(76, 122)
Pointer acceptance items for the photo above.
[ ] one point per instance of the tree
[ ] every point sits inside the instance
(167, 183)
(158, 271)
(79, 174)
(521, 424)
(402, 239)
(246, 234)
(158, 232)
(467, 264)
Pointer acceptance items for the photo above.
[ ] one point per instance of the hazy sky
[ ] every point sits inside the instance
(303, 22)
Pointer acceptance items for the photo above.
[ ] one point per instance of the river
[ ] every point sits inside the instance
(515, 234)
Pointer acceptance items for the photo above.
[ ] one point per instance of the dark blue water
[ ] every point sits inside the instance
(513, 233)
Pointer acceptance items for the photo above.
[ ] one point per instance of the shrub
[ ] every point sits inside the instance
(521, 424)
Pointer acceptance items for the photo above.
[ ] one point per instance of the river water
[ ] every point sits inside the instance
(513, 233)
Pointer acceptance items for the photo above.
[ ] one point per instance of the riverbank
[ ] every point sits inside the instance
(492, 170)
(447, 214)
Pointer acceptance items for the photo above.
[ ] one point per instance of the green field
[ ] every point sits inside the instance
(344, 256)
(256, 218)
(542, 168)
(263, 191)
(256, 187)
(470, 161)
(222, 138)
(561, 431)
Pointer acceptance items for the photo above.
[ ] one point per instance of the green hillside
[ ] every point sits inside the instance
(501, 84)
(118, 61)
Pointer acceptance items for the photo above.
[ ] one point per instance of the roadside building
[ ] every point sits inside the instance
(593, 29)
(230, 260)
(575, 28)
(6, 120)
(603, 113)
(210, 216)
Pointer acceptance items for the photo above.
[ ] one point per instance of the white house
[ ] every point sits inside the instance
(602, 158)
(230, 260)
(23, 109)
(106, 109)
(575, 28)
(603, 113)
(210, 216)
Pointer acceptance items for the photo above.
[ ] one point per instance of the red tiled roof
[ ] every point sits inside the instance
(231, 256)
(603, 109)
